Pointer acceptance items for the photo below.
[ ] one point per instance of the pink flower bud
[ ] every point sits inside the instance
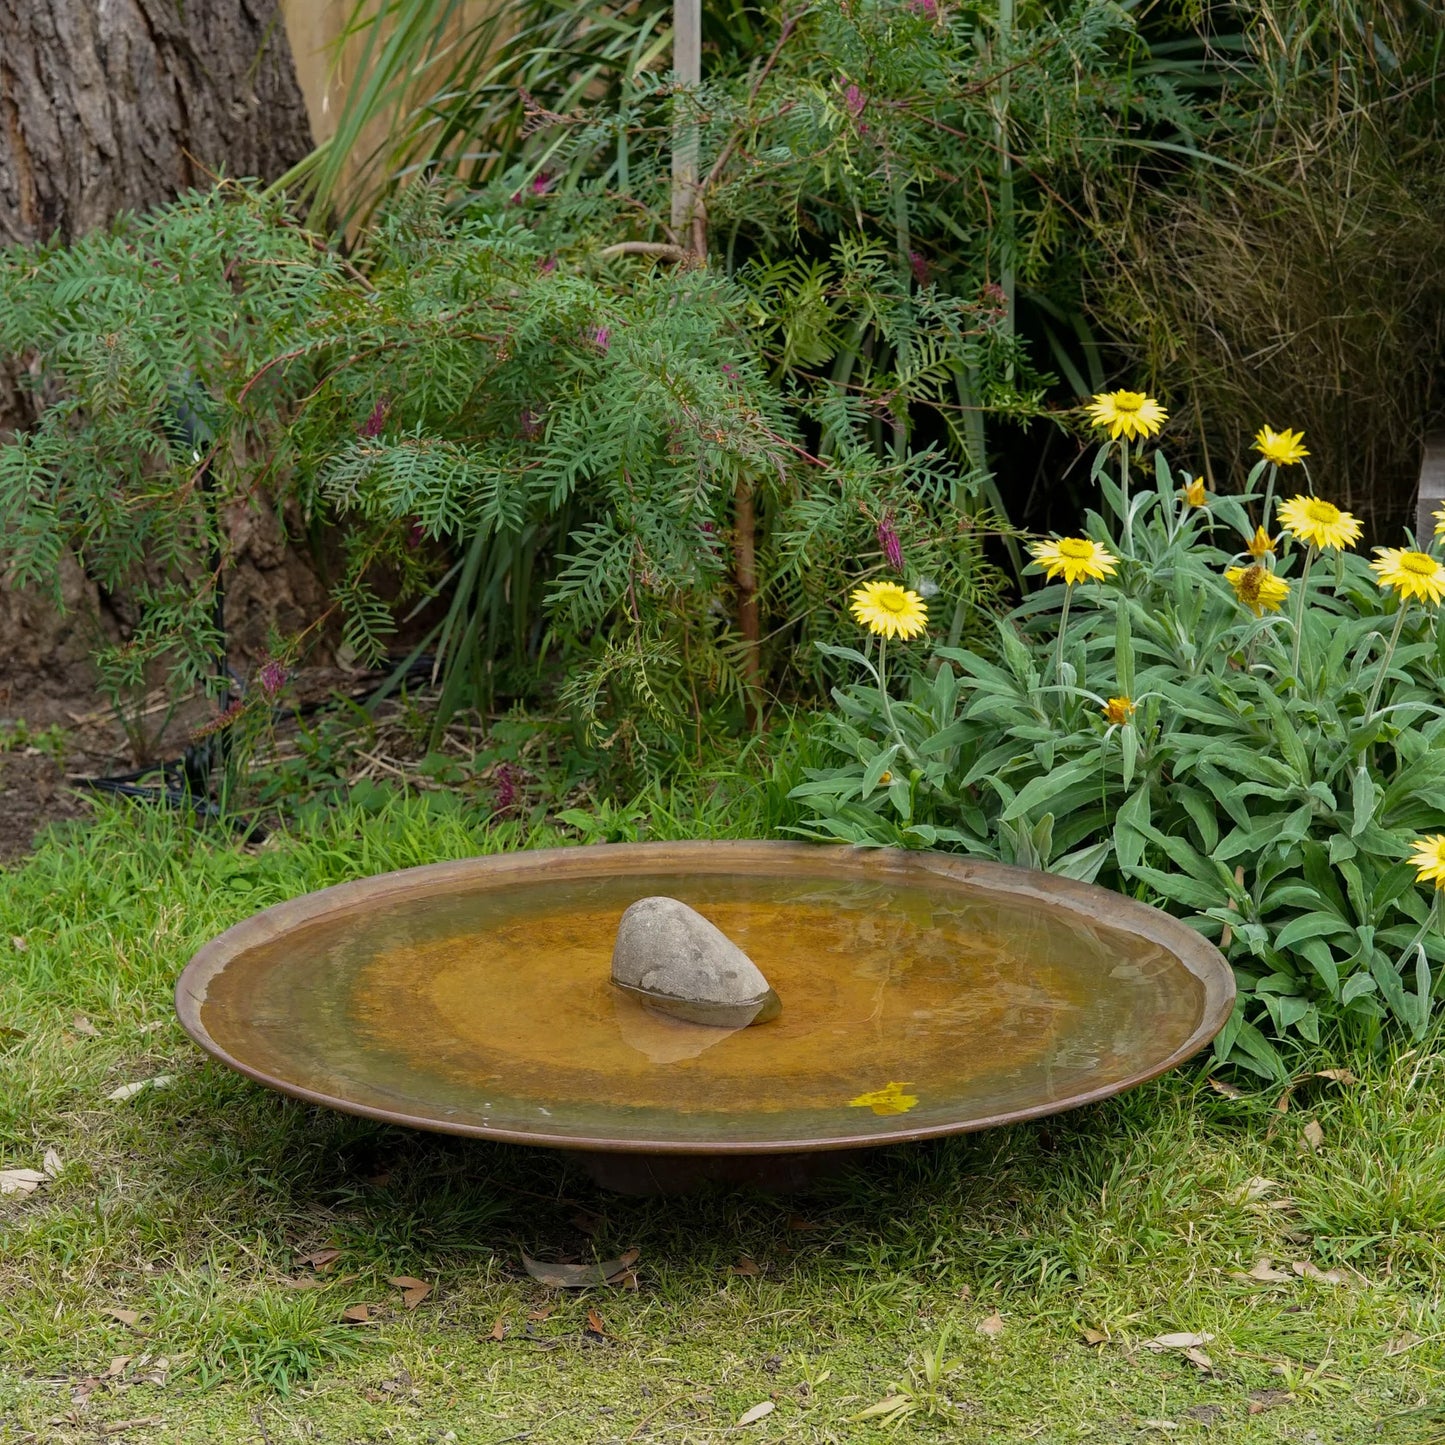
(374, 424)
(888, 540)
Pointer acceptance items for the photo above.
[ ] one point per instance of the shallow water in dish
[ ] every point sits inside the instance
(489, 1008)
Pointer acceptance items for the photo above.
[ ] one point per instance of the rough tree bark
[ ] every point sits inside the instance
(112, 105)
(116, 106)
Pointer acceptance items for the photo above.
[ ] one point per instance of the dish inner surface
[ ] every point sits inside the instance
(492, 1009)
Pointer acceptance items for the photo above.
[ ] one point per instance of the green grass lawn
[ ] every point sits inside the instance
(167, 1275)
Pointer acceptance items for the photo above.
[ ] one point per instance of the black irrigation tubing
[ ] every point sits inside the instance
(184, 780)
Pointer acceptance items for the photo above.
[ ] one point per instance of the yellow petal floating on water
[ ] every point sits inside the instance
(890, 1099)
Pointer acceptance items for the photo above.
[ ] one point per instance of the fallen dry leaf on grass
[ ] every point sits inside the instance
(120, 1427)
(413, 1291)
(84, 1027)
(581, 1276)
(1312, 1137)
(321, 1259)
(541, 1313)
(21, 1181)
(1262, 1271)
(129, 1318)
(499, 1329)
(595, 1326)
(1306, 1269)
(1253, 1189)
(760, 1411)
(116, 1368)
(992, 1326)
(156, 1372)
(1334, 1076)
(18, 943)
(1181, 1341)
(744, 1266)
(1093, 1337)
(356, 1314)
(51, 1164)
(129, 1091)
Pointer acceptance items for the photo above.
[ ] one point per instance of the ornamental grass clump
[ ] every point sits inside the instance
(1157, 718)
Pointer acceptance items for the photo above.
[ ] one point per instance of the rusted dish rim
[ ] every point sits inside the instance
(1097, 905)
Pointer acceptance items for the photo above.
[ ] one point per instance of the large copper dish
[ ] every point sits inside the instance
(473, 998)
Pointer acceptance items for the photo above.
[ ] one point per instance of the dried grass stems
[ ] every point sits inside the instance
(1301, 279)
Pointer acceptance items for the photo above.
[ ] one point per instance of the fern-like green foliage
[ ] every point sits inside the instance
(137, 342)
(540, 404)
(552, 441)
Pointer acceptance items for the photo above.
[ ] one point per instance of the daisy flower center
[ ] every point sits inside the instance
(1325, 512)
(1128, 400)
(891, 601)
(1075, 548)
(1419, 563)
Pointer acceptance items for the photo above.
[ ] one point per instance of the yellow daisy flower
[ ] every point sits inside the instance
(890, 1099)
(1257, 588)
(1260, 545)
(888, 610)
(1411, 574)
(1073, 558)
(1128, 414)
(1439, 515)
(1194, 494)
(1283, 448)
(1118, 710)
(1322, 524)
(1429, 859)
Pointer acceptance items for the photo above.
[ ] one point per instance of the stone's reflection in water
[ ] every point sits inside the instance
(660, 1039)
(491, 1008)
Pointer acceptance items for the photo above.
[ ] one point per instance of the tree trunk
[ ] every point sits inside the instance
(113, 105)
(117, 106)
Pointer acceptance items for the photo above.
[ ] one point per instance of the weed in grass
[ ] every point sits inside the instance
(17, 736)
